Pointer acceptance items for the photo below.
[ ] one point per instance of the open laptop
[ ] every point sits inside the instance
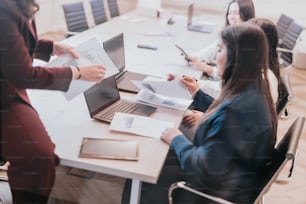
(114, 47)
(204, 28)
(103, 100)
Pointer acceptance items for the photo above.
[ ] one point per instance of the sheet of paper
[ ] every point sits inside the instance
(163, 101)
(90, 52)
(139, 125)
(174, 88)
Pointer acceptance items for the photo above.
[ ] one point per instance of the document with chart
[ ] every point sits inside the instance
(163, 101)
(90, 52)
(169, 94)
(173, 89)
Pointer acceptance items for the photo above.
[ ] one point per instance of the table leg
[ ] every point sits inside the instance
(135, 191)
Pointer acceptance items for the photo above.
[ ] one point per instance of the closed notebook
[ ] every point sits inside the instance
(109, 149)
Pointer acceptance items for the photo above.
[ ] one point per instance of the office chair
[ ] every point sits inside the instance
(288, 43)
(3, 171)
(75, 18)
(285, 96)
(282, 25)
(98, 11)
(286, 151)
(113, 8)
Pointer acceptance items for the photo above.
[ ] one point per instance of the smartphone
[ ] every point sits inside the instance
(183, 52)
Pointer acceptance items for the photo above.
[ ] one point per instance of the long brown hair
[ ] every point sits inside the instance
(246, 62)
(270, 30)
(246, 10)
(28, 7)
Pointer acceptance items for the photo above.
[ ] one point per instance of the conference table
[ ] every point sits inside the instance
(67, 122)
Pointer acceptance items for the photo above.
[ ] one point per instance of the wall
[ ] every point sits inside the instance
(51, 16)
(264, 8)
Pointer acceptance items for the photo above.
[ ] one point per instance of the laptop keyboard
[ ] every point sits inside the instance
(123, 106)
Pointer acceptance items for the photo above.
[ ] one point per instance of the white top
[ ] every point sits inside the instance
(213, 88)
(208, 54)
(273, 85)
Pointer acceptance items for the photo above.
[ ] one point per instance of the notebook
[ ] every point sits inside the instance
(114, 47)
(204, 28)
(103, 100)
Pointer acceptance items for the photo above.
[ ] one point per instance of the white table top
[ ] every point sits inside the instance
(68, 122)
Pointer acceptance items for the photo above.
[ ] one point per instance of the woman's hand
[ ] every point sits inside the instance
(94, 73)
(191, 84)
(192, 118)
(169, 134)
(200, 65)
(59, 49)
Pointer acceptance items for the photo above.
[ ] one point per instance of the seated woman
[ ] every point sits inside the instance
(277, 87)
(235, 138)
(237, 12)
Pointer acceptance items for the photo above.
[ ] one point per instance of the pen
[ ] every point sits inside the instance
(150, 47)
(192, 77)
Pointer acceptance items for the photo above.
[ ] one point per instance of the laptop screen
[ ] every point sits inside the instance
(190, 14)
(101, 95)
(114, 47)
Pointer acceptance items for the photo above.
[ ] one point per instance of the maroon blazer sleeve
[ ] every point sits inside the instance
(44, 49)
(16, 44)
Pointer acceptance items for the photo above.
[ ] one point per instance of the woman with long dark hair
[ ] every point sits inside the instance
(25, 143)
(235, 138)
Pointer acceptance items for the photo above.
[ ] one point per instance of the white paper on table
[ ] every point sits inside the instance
(163, 101)
(139, 125)
(173, 89)
(90, 52)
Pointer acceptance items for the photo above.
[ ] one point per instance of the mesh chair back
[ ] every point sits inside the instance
(289, 41)
(98, 11)
(282, 25)
(75, 17)
(113, 8)
(285, 151)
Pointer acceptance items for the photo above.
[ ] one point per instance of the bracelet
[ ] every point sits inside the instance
(80, 75)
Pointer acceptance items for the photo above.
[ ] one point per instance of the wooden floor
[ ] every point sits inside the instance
(92, 188)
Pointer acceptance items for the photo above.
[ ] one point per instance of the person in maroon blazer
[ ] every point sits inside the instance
(24, 140)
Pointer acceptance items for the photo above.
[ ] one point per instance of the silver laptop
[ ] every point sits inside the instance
(103, 100)
(204, 28)
(114, 47)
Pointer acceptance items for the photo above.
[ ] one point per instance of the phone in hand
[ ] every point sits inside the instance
(183, 53)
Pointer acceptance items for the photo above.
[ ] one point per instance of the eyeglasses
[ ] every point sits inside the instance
(233, 12)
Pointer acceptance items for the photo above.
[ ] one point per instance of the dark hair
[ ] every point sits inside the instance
(28, 7)
(270, 30)
(246, 10)
(246, 62)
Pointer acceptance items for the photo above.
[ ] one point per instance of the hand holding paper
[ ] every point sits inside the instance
(174, 88)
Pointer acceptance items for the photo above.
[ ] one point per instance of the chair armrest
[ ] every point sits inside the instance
(287, 83)
(279, 49)
(182, 185)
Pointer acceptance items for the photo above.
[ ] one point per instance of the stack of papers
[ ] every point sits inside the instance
(169, 94)
(139, 125)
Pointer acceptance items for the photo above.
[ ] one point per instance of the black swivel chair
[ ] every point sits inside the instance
(113, 8)
(286, 151)
(282, 25)
(75, 18)
(288, 42)
(98, 11)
